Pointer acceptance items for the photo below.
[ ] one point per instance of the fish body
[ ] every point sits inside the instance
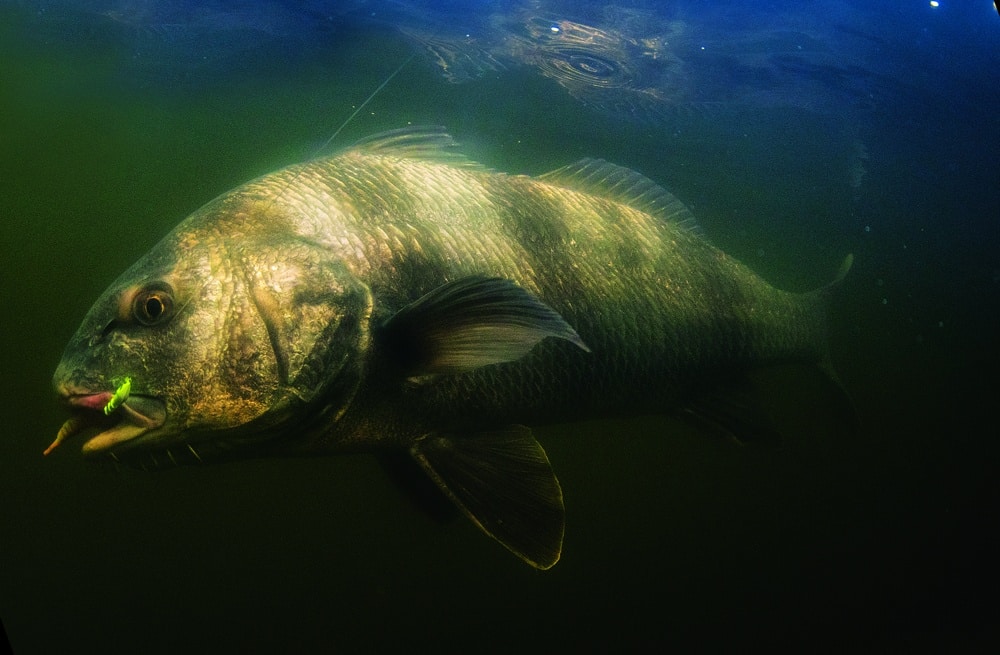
(396, 298)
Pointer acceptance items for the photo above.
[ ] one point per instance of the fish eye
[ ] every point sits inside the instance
(153, 305)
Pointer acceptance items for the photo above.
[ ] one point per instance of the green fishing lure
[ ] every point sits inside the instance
(120, 396)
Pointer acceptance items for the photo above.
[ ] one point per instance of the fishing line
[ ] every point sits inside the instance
(333, 136)
(363, 104)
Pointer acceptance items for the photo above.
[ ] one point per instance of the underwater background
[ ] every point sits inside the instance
(795, 131)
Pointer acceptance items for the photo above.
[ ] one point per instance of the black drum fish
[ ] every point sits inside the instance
(397, 298)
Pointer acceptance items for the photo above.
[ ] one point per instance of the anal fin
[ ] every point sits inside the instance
(740, 406)
(731, 410)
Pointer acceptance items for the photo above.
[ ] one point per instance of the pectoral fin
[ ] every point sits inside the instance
(503, 482)
(468, 323)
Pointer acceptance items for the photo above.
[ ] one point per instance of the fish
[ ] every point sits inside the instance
(399, 299)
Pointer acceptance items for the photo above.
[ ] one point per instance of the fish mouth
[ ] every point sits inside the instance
(129, 420)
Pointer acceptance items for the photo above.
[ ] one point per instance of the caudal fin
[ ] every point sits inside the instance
(846, 405)
(845, 268)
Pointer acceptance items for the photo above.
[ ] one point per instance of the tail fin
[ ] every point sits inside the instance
(733, 406)
(848, 410)
(845, 268)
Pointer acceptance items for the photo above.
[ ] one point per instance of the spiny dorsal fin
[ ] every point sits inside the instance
(423, 142)
(602, 178)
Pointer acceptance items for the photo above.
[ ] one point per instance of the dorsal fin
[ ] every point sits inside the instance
(602, 178)
(423, 142)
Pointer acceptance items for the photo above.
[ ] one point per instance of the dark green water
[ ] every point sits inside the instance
(673, 537)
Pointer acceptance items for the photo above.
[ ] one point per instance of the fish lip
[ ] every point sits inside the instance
(133, 418)
(94, 401)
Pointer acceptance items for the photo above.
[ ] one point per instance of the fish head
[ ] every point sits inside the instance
(223, 343)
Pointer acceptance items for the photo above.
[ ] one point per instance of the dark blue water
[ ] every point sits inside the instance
(796, 132)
